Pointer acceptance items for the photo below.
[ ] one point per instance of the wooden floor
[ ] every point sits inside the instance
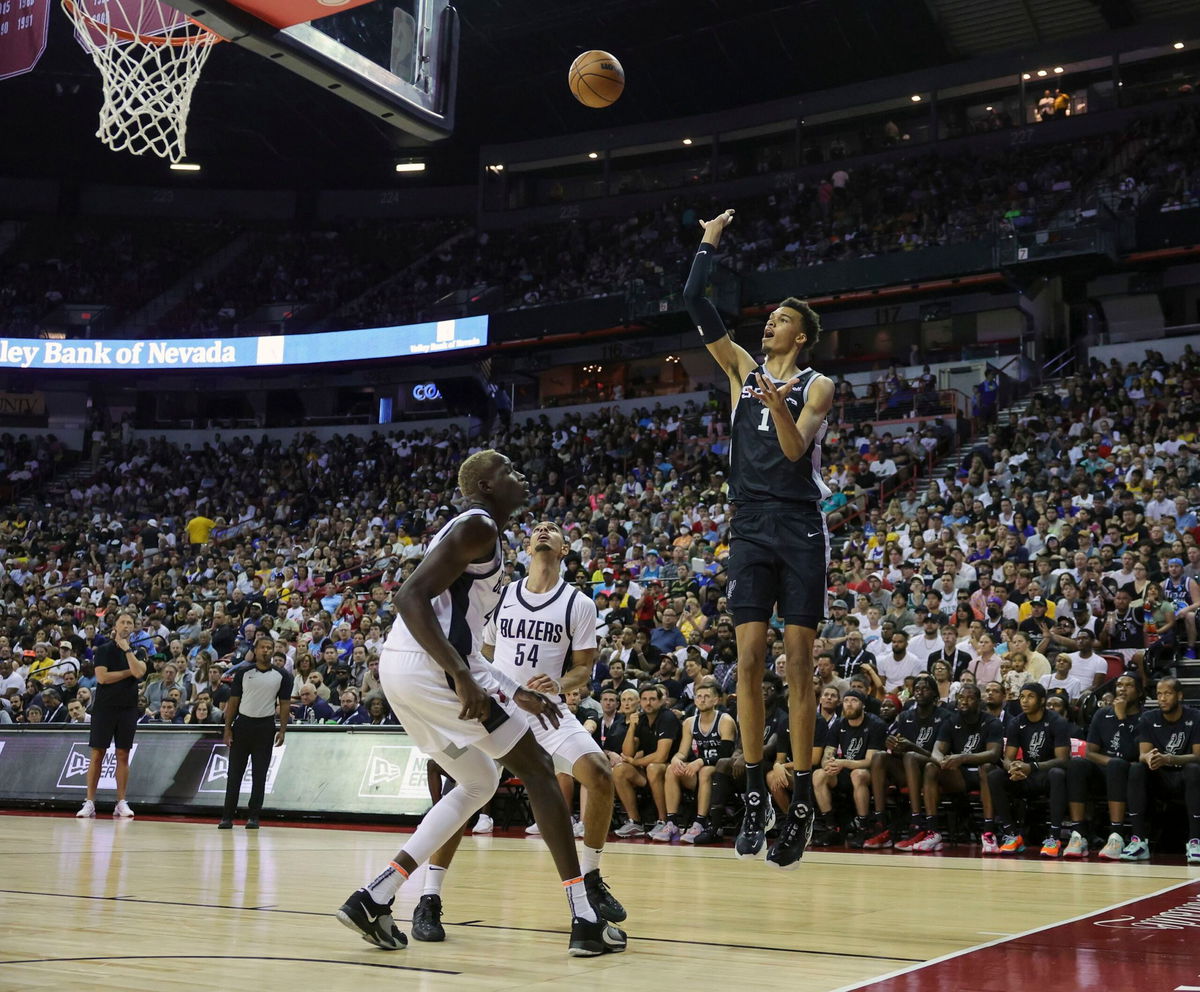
(178, 905)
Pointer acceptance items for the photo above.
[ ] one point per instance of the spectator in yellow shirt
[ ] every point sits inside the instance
(198, 530)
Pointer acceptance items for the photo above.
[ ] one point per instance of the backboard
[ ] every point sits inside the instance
(396, 59)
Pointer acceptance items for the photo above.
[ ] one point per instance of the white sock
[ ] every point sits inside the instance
(578, 901)
(589, 860)
(384, 886)
(434, 877)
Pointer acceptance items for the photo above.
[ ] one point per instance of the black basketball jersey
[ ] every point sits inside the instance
(759, 472)
(960, 737)
(706, 747)
(918, 730)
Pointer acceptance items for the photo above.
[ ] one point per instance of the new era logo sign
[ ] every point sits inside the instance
(394, 773)
(216, 772)
(75, 768)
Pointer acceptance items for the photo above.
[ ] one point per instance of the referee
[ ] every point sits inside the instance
(250, 728)
(115, 712)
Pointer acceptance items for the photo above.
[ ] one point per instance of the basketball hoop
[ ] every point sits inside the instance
(150, 57)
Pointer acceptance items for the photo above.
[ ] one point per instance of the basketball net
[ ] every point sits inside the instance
(150, 57)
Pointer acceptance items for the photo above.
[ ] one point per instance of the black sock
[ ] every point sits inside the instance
(1137, 825)
(989, 826)
(754, 778)
(673, 818)
(931, 822)
(1116, 828)
(802, 787)
(703, 821)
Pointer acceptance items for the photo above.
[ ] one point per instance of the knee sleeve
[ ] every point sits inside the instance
(477, 776)
(1079, 772)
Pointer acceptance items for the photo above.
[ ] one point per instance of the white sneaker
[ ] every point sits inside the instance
(483, 825)
(122, 811)
(533, 830)
(664, 831)
(694, 831)
(631, 829)
(932, 841)
(87, 811)
(577, 827)
(1111, 851)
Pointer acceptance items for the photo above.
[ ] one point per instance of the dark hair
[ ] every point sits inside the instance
(810, 323)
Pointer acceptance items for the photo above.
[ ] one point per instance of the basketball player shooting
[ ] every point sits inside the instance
(465, 714)
(779, 546)
(543, 634)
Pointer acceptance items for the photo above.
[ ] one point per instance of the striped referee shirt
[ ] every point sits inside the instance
(259, 691)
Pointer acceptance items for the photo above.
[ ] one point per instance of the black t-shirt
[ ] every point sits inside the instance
(121, 695)
(1170, 738)
(1115, 737)
(957, 660)
(960, 737)
(921, 731)
(846, 664)
(666, 726)
(775, 730)
(611, 738)
(1038, 739)
(820, 737)
(853, 743)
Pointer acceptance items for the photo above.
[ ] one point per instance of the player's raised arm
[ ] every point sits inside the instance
(735, 360)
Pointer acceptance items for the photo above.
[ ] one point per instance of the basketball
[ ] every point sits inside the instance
(596, 79)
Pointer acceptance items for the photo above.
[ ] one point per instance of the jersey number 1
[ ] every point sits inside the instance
(520, 657)
(765, 423)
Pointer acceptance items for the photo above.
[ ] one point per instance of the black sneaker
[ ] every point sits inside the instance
(797, 831)
(427, 920)
(225, 825)
(856, 836)
(589, 940)
(602, 899)
(252, 823)
(827, 836)
(372, 921)
(752, 836)
(708, 836)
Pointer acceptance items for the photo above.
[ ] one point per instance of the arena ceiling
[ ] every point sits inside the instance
(254, 124)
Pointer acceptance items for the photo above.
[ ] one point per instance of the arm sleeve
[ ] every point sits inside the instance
(699, 307)
(236, 688)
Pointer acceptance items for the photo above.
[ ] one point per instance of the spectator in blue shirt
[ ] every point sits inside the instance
(666, 636)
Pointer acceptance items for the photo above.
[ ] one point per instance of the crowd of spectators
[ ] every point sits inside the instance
(900, 202)
(1062, 552)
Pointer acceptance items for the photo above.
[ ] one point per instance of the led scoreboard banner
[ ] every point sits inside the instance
(261, 352)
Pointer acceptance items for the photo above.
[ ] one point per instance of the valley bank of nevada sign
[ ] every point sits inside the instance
(407, 340)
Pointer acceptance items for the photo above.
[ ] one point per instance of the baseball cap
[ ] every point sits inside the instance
(938, 618)
(1037, 601)
(857, 694)
(839, 604)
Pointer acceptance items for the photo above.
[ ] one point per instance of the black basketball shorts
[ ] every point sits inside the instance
(112, 727)
(778, 563)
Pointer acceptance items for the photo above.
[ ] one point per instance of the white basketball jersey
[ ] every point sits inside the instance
(535, 633)
(464, 608)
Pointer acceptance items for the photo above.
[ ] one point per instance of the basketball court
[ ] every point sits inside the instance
(161, 904)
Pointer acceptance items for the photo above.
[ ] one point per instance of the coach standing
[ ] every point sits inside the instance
(256, 695)
(115, 712)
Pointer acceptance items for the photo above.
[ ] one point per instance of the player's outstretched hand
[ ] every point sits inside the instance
(773, 397)
(717, 224)
(543, 707)
(475, 704)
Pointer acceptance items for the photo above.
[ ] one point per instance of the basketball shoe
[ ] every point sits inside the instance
(372, 920)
